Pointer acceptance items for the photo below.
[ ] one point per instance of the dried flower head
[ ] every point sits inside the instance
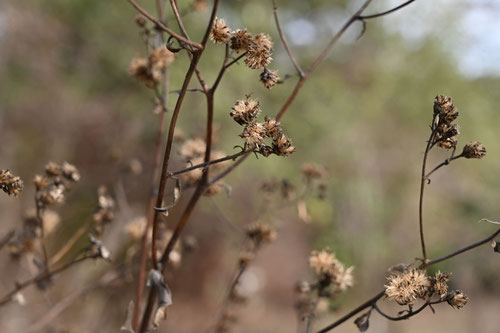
(257, 58)
(343, 278)
(104, 212)
(245, 111)
(245, 258)
(140, 20)
(254, 135)
(241, 40)
(323, 261)
(193, 148)
(440, 284)
(139, 68)
(149, 70)
(136, 228)
(263, 41)
(220, 33)
(70, 172)
(260, 233)
(269, 78)
(9, 183)
(199, 5)
(445, 113)
(445, 109)
(457, 299)
(41, 182)
(407, 287)
(313, 170)
(53, 194)
(53, 169)
(283, 146)
(474, 150)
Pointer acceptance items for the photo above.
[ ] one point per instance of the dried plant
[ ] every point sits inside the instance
(156, 244)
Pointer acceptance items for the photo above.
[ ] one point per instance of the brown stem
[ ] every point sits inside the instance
(178, 18)
(311, 314)
(462, 250)
(408, 315)
(39, 217)
(284, 41)
(367, 17)
(69, 244)
(442, 164)
(205, 164)
(354, 312)
(40, 277)
(321, 57)
(166, 157)
(150, 215)
(227, 298)
(162, 26)
(422, 187)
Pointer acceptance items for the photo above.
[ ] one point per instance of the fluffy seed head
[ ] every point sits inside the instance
(269, 78)
(10, 184)
(245, 111)
(241, 40)
(220, 33)
(474, 150)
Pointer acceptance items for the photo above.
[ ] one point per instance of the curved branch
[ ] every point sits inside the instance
(368, 17)
(164, 27)
(284, 41)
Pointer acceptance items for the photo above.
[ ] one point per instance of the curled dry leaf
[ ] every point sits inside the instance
(127, 324)
(155, 280)
(363, 322)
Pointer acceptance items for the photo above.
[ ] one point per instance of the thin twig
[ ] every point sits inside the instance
(205, 164)
(367, 17)
(462, 250)
(40, 277)
(69, 244)
(164, 27)
(354, 312)
(284, 41)
(442, 164)
(311, 315)
(39, 218)
(422, 187)
(150, 211)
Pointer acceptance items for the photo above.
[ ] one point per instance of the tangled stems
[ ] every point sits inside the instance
(372, 301)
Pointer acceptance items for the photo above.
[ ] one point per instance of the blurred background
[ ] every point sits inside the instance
(66, 95)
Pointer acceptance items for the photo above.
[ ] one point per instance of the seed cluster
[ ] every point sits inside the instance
(245, 112)
(149, 71)
(445, 112)
(413, 284)
(9, 183)
(331, 278)
(257, 49)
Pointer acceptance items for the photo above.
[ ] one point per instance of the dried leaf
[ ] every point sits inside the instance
(177, 190)
(363, 322)
(155, 280)
(302, 211)
(127, 325)
(98, 249)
